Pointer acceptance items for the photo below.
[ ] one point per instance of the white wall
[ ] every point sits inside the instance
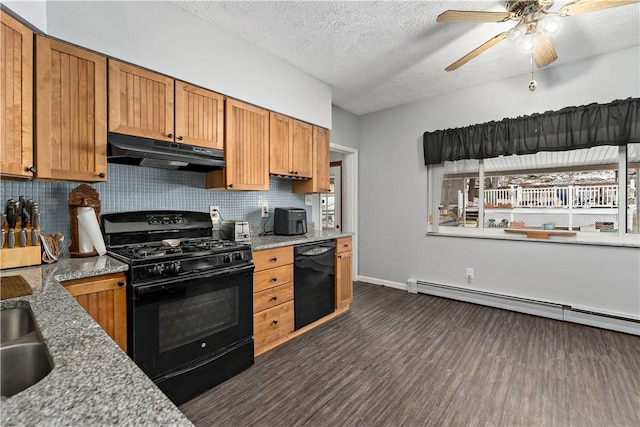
(35, 12)
(346, 128)
(163, 37)
(393, 196)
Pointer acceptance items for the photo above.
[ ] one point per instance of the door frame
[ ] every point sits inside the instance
(349, 196)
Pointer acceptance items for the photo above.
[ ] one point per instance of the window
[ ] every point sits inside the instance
(575, 190)
(633, 188)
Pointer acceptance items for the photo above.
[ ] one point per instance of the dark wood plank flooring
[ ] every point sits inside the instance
(399, 359)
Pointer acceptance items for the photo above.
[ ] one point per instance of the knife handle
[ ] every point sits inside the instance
(11, 238)
(23, 238)
(34, 237)
(1, 237)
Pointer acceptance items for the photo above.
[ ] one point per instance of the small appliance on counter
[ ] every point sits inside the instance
(237, 231)
(289, 221)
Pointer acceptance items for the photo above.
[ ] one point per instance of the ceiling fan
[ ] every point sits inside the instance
(534, 23)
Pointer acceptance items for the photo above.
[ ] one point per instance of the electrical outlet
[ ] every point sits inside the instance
(214, 211)
(469, 272)
(265, 209)
(308, 201)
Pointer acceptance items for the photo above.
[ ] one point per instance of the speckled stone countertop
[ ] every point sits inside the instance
(93, 382)
(270, 241)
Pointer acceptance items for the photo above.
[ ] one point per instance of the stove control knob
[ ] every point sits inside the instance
(237, 256)
(226, 258)
(174, 267)
(157, 269)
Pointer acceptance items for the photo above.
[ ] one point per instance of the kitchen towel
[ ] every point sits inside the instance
(89, 235)
(14, 286)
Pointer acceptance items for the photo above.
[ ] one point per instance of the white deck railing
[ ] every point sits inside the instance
(596, 196)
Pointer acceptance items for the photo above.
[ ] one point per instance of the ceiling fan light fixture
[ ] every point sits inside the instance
(516, 34)
(529, 41)
(549, 24)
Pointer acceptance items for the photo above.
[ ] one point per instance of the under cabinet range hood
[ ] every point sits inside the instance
(133, 150)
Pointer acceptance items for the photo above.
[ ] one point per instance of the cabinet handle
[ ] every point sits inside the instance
(275, 279)
(274, 299)
(32, 169)
(275, 322)
(180, 138)
(102, 174)
(274, 259)
(230, 185)
(340, 256)
(120, 283)
(291, 172)
(295, 173)
(345, 246)
(170, 135)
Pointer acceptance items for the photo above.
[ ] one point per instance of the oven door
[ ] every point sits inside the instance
(179, 321)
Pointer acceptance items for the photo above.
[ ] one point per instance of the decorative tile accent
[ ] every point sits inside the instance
(134, 188)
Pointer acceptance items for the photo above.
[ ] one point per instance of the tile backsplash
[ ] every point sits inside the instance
(135, 188)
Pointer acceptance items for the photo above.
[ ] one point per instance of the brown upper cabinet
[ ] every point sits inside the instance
(16, 82)
(144, 103)
(199, 116)
(246, 149)
(290, 145)
(140, 102)
(71, 113)
(319, 183)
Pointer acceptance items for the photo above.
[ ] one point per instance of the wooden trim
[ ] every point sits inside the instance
(539, 234)
(294, 334)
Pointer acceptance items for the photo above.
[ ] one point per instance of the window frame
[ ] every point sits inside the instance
(622, 238)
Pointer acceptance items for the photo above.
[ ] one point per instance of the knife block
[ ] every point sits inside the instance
(20, 256)
(83, 196)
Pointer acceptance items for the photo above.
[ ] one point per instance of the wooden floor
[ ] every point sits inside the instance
(399, 359)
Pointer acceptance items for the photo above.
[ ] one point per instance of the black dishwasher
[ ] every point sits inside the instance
(314, 282)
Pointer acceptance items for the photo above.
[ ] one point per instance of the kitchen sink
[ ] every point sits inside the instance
(15, 323)
(24, 359)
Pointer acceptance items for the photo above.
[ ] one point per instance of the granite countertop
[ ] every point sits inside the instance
(270, 241)
(93, 382)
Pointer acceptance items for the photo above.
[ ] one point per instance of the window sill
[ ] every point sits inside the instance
(581, 238)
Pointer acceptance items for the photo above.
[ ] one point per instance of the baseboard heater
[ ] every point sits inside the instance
(528, 306)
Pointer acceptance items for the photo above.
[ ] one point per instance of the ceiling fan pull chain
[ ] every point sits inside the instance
(533, 84)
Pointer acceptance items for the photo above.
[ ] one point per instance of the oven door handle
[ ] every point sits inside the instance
(167, 285)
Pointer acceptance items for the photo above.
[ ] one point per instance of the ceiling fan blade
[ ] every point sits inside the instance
(543, 53)
(477, 51)
(586, 6)
(471, 16)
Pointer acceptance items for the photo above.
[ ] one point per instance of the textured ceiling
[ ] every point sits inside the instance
(381, 54)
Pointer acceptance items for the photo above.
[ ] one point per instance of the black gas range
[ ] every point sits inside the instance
(189, 299)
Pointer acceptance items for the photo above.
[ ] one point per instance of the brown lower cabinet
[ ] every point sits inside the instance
(272, 296)
(105, 299)
(344, 273)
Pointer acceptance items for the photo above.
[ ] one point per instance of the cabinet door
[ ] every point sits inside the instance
(140, 102)
(199, 116)
(280, 139)
(301, 149)
(344, 279)
(105, 299)
(319, 183)
(246, 148)
(16, 93)
(71, 106)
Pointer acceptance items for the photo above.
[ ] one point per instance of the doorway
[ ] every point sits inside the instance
(331, 202)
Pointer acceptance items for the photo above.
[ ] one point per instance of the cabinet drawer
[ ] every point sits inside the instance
(272, 277)
(343, 244)
(273, 258)
(272, 297)
(271, 324)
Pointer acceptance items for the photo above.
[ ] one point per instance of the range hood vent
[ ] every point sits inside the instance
(133, 150)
